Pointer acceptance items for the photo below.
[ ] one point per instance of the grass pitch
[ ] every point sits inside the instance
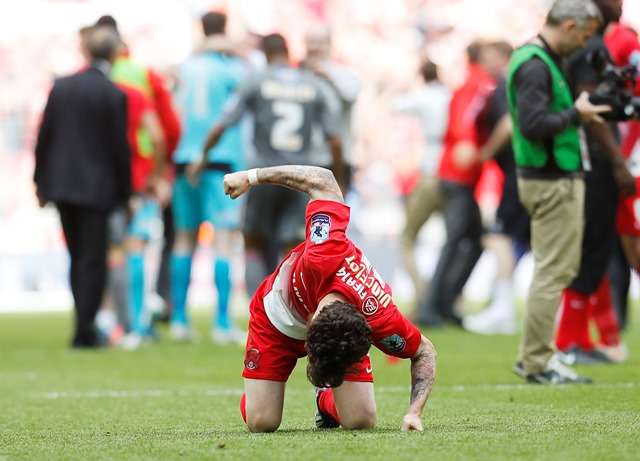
(180, 401)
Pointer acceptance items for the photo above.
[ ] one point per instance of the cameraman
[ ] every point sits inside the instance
(607, 177)
(546, 143)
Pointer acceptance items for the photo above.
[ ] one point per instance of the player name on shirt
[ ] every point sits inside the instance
(272, 89)
(366, 282)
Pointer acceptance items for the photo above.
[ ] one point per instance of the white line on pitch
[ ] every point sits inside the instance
(221, 392)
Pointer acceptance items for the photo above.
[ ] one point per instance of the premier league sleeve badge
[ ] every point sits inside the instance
(320, 226)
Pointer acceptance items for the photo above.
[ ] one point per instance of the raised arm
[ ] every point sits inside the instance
(423, 374)
(318, 182)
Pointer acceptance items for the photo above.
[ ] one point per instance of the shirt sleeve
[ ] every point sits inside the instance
(167, 113)
(239, 102)
(533, 89)
(326, 224)
(326, 245)
(329, 109)
(44, 135)
(394, 335)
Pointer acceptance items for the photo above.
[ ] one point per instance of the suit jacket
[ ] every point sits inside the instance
(82, 154)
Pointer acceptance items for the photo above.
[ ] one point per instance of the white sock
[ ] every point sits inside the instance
(502, 304)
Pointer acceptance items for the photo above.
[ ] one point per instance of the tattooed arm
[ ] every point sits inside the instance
(423, 373)
(318, 182)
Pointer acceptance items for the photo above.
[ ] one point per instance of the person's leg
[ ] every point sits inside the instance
(556, 209)
(499, 317)
(186, 219)
(258, 223)
(422, 203)
(90, 271)
(113, 318)
(69, 221)
(224, 213)
(467, 226)
(135, 271)
(139, 233)
(163, 282)
(449, 271)
(354, 403)
(180, 276)
(263, 402)
(351, 405)
(269, 359)
(604, 316)
(573, 324)
(290, 223)
(620, 275)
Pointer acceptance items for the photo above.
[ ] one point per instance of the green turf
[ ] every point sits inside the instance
(172, 401)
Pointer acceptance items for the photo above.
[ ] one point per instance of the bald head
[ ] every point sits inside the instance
(103, 43)
(318, 41)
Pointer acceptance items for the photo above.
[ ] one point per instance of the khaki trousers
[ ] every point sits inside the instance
(556, 208)
(425, 199)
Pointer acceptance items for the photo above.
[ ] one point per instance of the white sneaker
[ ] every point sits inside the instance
(230, 336)
(557, 373)
(489, 323)
(181, 333)
(617, 354)
(131, 342)
(154, 304)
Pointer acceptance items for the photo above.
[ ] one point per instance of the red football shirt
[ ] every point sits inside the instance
(624, 47)
(137, 106)
(467, 101)
(328, 262)
(163, 104)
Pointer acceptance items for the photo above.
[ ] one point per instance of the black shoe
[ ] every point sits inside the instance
(453, 319)
(579, 356)
(557, 373)
(323, 421)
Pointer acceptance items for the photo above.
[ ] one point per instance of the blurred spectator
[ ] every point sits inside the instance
(509, 238)
(589, 296)
(346, 85)
(458, 174)
(430, 105)
(624, 46)
(152, 140)
(549, 162)
(206, 81)
(287, 105)
(83, 166)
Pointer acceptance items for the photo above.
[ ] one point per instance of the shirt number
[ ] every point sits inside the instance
(285, 132)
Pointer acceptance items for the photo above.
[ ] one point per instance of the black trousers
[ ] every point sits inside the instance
(458, 256)
(598, 243)
(85, 230)
(163, 282)
(620, 276)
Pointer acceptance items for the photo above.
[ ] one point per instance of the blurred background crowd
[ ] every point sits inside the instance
(391, 47)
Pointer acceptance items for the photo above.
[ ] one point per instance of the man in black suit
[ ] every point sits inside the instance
(83, 165)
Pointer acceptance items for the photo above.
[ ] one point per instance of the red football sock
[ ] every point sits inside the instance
(573, 327)
(243, 407)
(601, 311)
(327, 404)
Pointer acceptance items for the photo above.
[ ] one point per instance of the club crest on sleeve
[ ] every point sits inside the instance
(370, 305)
(394, 343)
(320, 226)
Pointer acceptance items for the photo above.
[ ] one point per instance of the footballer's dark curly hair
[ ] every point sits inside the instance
(337, 338)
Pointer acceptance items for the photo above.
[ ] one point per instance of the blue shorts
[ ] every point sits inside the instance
(205, 202)
(146, 223)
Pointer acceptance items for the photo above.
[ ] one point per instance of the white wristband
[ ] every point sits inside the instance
(252, 176)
